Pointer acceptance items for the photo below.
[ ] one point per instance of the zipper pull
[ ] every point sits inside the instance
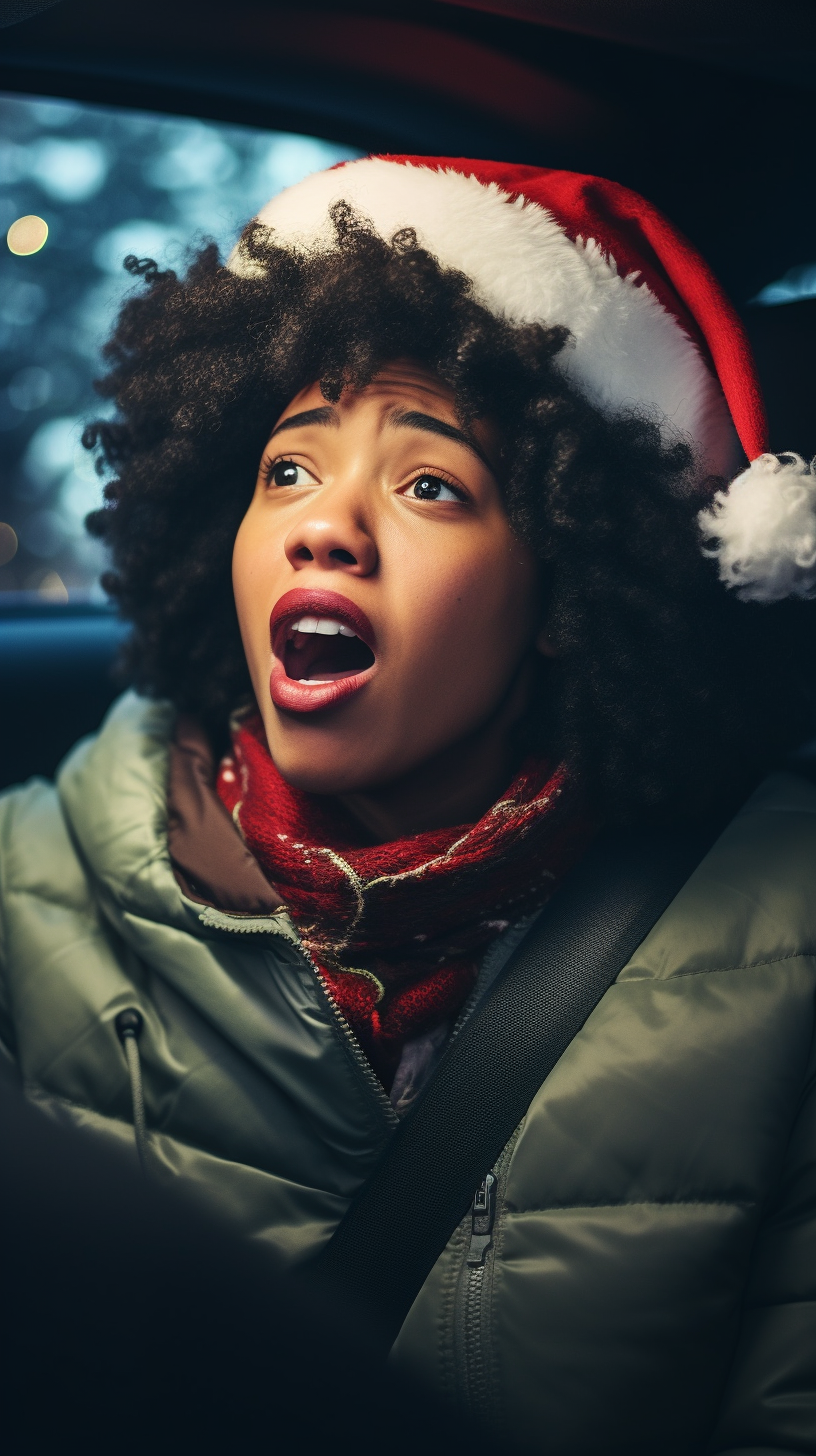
(481, 1221)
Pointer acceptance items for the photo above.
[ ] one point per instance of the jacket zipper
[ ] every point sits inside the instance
(473, 1306)
(352, 1043)
(349, 1039)
(474, 1300)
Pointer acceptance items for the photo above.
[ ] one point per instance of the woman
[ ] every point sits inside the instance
(469, 621)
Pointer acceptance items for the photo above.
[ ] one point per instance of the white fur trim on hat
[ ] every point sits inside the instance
(627, 350)
(763, 530)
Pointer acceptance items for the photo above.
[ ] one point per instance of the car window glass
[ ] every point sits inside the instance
(81, 186)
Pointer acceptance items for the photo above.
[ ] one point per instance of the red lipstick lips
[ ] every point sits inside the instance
(306, 695)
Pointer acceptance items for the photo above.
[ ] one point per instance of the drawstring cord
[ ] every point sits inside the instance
(129, 1025)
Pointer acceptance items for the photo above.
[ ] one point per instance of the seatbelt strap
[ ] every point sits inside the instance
(394, 1231)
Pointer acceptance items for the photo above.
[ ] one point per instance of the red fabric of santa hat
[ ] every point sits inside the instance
(650, 326)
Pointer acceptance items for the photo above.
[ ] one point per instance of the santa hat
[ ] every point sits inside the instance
(650, 327)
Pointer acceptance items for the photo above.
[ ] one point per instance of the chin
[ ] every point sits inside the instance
(318, 781)
(319, 772)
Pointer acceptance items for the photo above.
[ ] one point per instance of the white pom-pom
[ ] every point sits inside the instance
(762, 529)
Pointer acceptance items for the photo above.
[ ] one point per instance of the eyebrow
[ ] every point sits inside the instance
(401, 418)
(416, 420)
(325, 415)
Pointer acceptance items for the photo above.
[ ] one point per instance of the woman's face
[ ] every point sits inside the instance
(386, 607)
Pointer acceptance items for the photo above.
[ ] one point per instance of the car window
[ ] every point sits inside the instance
(81, 186)
(798, 282)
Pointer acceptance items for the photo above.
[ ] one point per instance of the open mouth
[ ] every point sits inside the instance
(323, 648)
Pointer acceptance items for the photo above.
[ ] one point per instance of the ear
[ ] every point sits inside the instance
(543, 644)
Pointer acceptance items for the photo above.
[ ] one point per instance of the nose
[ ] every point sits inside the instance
(334, 536)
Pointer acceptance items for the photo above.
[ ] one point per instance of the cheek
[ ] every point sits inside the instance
(252, 588)
(473, 616)
(242, 571)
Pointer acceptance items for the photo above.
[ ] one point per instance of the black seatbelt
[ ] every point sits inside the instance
(392, 1234)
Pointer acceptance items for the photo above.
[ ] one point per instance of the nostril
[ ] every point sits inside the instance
(345, 556)
(304, 554)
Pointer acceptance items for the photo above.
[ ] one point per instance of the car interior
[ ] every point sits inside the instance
(143, 131)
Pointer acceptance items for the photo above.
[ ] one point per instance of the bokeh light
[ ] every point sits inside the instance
(52, 588)
(8, 543)
(27, 235)
(69, 171)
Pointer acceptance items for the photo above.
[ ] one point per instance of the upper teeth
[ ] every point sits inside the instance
(328, 626)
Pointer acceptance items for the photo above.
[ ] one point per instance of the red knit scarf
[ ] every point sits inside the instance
(397, 929)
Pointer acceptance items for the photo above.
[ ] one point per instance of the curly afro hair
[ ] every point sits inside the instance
(667, 696)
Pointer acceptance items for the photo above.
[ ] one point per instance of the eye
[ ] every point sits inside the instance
(433, 487)
(286, 472)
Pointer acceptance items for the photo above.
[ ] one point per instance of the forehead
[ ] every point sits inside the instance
(398, 383)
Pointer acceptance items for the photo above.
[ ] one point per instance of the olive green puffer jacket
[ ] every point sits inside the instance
(651, 1284)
